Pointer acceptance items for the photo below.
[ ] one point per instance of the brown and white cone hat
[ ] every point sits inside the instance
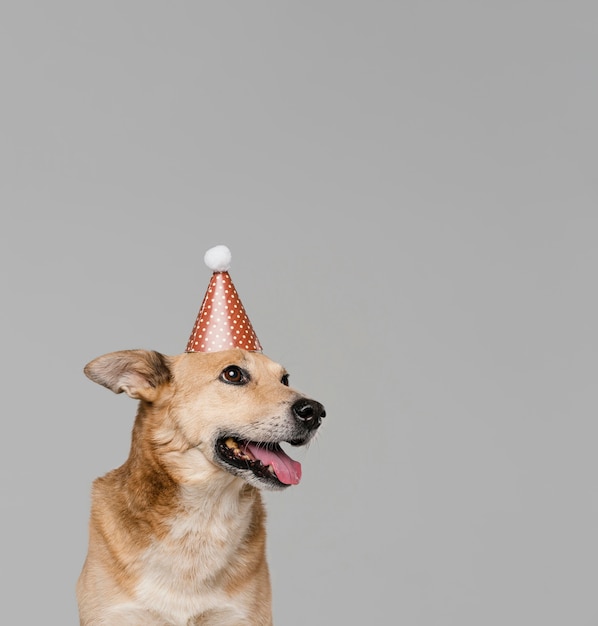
(221, 323)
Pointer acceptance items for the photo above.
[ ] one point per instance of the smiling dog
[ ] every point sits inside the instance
(177, 533)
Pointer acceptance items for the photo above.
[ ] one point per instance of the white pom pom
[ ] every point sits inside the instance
(218, 258)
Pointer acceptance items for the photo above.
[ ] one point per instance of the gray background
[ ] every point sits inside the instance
(409, 191)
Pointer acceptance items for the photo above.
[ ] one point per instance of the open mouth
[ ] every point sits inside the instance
(267, 461)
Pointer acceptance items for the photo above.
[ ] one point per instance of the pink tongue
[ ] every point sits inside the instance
(287, 471)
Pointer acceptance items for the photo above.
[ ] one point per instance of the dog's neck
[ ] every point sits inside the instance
(175, 482)
(223, 520)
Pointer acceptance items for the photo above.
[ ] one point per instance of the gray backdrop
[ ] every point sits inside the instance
(409, 191)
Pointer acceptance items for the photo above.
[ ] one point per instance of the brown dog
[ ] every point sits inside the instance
(176, 535)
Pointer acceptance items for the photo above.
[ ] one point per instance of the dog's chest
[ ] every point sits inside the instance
(179, 572)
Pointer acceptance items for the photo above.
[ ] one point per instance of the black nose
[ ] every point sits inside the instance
(309, 413)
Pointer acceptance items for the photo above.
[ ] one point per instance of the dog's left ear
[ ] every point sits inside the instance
(139, 373)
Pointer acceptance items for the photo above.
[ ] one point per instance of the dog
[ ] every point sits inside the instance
(177, 533)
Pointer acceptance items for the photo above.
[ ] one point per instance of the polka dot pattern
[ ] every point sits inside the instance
(222, 322)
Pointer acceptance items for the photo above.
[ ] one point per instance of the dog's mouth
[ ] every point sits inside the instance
(267, 461)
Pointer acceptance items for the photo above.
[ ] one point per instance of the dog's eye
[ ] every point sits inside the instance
(285, 380)
(234, 375)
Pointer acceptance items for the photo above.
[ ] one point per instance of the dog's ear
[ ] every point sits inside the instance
(139, 373)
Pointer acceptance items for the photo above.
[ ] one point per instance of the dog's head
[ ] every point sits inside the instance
(202, 414)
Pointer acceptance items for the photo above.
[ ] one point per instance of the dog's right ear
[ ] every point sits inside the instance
(139, 373)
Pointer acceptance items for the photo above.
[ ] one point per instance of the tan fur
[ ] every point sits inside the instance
(174, 538)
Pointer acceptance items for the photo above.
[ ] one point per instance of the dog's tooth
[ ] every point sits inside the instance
(231, 443)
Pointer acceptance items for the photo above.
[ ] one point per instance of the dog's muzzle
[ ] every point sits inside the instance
(265, 461)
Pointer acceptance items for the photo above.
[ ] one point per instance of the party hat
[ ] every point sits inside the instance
(221, 323)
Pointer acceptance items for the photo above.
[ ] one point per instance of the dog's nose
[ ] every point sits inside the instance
(309, 413)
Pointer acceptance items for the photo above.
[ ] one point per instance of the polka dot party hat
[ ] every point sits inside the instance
(222, 322)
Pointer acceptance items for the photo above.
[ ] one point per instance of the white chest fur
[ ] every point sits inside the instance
(178, 571)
